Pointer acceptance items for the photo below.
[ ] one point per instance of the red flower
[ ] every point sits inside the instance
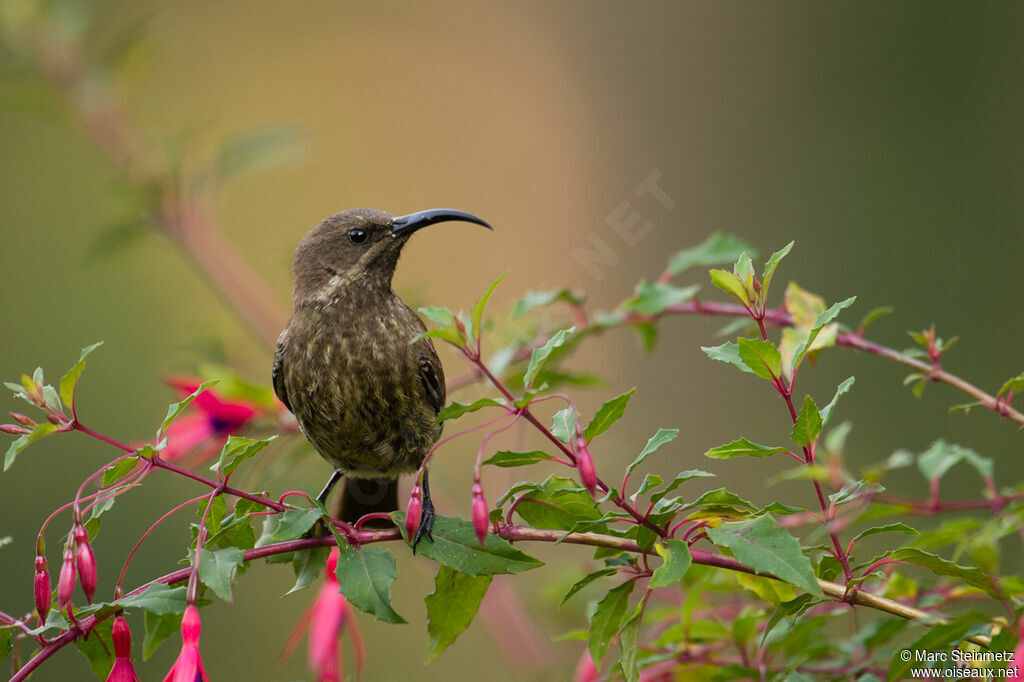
(123, 671)
(209, 421)
(189, 666)
(1018, 656)
(326, 618)
(585, 671)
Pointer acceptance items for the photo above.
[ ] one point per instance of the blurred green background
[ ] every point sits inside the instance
(885, 139)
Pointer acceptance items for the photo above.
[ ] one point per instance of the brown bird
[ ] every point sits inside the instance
(364, 393)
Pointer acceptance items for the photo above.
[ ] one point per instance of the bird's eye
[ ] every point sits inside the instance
(357, 236)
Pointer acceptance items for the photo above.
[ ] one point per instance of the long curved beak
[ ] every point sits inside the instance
(407, 224)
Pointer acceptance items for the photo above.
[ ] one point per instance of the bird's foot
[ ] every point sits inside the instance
(427, 517)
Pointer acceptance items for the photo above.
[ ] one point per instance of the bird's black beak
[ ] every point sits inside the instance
(407, 224)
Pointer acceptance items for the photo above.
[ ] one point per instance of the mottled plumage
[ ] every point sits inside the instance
(365, 395)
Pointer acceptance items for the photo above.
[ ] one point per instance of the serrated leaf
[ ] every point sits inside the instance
(444, 321)
(538, 299)
(455, 409)
(607, 415)
(586, 580)
(158, 599)
(769, 267)
(675, 555)
(681, 477)
(540, 355)
(820, 323)
(70, 380)
(938, 638)
(118, 470)
(288, 525)
(628, 635)
(743, 448)
(826, 412)
(762, 357)
(481, 303)
(455, 545)
(762, 545)
(365, 576)
(563, 424)
(23, 441)
(452, 606)
(158, 628)
(98, 648)
(235, 451)
(217, 569)
(559, 504)
(808, 424)
(974, 577)
(650, 481)
(871, 316)
(654, 444)
(308, 564)
(655, 298)
(729, 353)
(941, 456)
(175, 409)
(730, 284)
(607, 619)
(720, 501)
(508, 458)
(889, 528)
(716, 249)
(1011, 386)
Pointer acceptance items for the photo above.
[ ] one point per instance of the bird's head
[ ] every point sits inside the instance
(359, 247)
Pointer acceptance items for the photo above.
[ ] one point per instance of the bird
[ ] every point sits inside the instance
(350, 364)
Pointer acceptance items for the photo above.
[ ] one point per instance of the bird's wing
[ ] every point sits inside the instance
(277, 373)
(432, 375)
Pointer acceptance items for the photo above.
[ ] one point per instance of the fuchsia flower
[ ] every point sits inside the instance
(480, 521)
(326, 618)
(189, 666)
(1018, 655)
(207, 423)
(585, 671)
(123, 671)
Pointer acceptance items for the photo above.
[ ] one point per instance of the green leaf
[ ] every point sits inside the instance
(871, 316)
(217, 569)
(761, 356)
(288, 525)
(1011, 386)
(974, 577)
(938, 638)
(158, 599)
(762, 545)
(889, 528)
(608, 414)
(23, 441)
(508, 458)
(807, 425)
(457, 409)
(6, 644)
(655, 298)
(941, 456)
(730, 284)
(98, 648)
(559, 504)
(721, 502)
(478, 309)
(307, 565)
(236, 451)
(537, 299)
(158, 628)
(681, 477)
(451, 606)
(769, 267)
(676, 557)
(70, 380)
(607, 619)
(455, 545)
(820, 322)
(563, 424)
(826, 412)
(650, 481)
(255, 149)
(628, 635)
(177, 408)
(743, 448)
(654, 444)
(587, 579)
(444, 321)
(539, 355)
(729, 353)
(118, 470)
(365, 576)
(715, 250)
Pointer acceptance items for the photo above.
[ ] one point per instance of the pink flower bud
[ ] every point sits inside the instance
(41, 588)
(13, 429)
(85, 562)
(480, 521)
(54, 418)
(22, 419)
(585, 463)
(123, 671)
(66, 582)
(414, 512)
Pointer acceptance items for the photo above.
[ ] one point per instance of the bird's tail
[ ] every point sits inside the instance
(364, 496)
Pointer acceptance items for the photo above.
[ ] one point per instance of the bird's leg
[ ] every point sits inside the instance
(335, 477)
(427, 518)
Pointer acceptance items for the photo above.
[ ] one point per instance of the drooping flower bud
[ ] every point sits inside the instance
(585, 463)
(479, 513)
(41, 589)
(415, 511)
(14, 429)
(85, 562)
(123, 671)
(66, 581)
(22, 419)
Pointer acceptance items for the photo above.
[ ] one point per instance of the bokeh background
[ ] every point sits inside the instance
(885, 139)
